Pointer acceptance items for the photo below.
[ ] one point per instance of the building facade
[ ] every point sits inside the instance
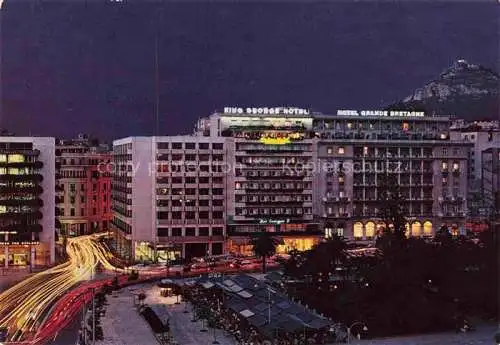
(270, 188)
(83, 186)
(482, 136)
(27, 209)
(490, 180)
(302, 176)
(357, 149)
(169, 197)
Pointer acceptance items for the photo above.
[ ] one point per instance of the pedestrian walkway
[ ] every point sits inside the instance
(123, 325)
(183, 330)
(484, 335)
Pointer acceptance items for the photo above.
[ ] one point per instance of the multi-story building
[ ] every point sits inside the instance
(355, 151)
(490, 180)
(83, 186)
(270, 188)
(169, 197)
(482, 137)
(27, 209)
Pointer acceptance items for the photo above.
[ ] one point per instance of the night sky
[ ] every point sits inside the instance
(70, 67)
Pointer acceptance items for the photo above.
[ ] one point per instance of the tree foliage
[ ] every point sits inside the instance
(264, 246)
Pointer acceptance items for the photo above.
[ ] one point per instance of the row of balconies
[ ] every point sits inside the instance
(452, 199)
(401, 183)
(275, 174)
(189, 221)
(272, 211)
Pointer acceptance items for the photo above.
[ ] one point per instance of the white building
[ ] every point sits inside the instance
(169, 196)
(27, 201)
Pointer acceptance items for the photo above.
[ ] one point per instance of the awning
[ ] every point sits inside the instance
(246, 313)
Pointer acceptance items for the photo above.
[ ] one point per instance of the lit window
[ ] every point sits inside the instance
(3, 209)
(349, 125)
(406, 126)
(358, 230)
(456, 166)
(443, 136)
(365, 150)
(16, 158)
(444, 166)
(329, 150)
(341, 179)
(238, 185)
(3, 158)
(370, 229)
(330, 210)
(3, 171)
(341, 150)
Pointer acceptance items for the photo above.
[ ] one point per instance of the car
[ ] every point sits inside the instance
(497, 338)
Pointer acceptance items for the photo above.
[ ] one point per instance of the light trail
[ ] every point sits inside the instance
(24, 305)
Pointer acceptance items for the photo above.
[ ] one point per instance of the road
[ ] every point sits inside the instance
(26, 304)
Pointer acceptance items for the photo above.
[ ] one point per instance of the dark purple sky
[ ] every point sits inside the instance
(69, 67)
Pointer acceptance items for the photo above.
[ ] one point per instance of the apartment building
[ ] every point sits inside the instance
(83, 186)
(357, 148)
(490, 180)
(27, 209)
(271, 186)
(169, 197)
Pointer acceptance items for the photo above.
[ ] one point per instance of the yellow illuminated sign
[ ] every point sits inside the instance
(275, 141)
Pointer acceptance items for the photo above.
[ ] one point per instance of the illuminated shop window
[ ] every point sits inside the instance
(358, 230)
(16, 158)
(370, 229)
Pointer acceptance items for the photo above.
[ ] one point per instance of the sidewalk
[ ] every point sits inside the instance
(482, 336)
(183, 330)
(12, 276)
(123, 325)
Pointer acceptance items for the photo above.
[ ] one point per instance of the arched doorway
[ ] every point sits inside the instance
(427, 228)
(370, 230)
(358, 230)
(415, 229)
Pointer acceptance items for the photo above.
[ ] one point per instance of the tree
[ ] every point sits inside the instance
(326, 257)
(392, 212)
(264, 246)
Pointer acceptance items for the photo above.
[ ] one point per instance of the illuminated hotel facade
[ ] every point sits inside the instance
(27, 208)
(301, 176)
(360, 148)
(270, 188)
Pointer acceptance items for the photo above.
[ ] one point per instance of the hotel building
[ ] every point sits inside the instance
(169, 197)
(27, 209)
(299, 175)
(83, 186)
(356, 149)
(270, 187)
